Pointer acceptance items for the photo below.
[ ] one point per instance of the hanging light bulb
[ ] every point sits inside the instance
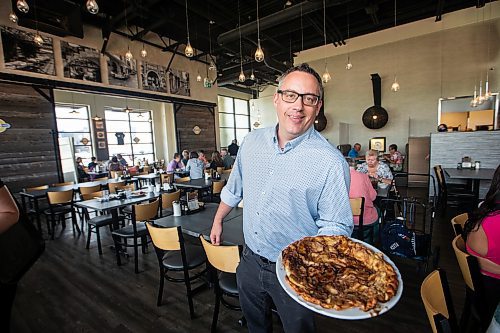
(252, 76)
(38, 39)
(92, 7)
(348, 66)
(395, 85)
(198, 78)
(13, 17)
(473, 103)
(326, 75)
(487, 92)
(480, 98)
(212, 66)
(144, 53)
(242, 77)
(22, 5)
(259, 53)
(188, 51)
(129, 55)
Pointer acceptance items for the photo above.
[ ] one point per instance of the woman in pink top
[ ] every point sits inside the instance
(361, 186)
(482, 235)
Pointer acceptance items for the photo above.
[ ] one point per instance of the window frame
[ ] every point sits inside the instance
(234, 114)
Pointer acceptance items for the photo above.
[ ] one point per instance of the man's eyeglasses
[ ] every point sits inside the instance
(290, 96)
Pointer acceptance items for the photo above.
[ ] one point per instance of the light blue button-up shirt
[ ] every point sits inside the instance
(286, 198)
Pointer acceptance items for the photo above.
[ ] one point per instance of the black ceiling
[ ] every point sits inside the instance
(286, 27)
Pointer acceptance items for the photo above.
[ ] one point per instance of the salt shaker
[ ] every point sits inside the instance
(478, 164)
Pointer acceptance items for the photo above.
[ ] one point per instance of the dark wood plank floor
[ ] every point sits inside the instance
(71, 289)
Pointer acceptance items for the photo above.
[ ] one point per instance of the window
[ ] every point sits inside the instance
(73, 122)
(234, 119)
(130, 134)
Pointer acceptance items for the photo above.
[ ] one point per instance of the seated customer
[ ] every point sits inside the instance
(362, 187)
(175, 163)
(185, 157)
(226, 159)
(354, 152)
(114, 165)
(395, 158)
(92, 164)
(195, 166)
(377, 171)
(482, 235)
(216, 161)
(82, 175)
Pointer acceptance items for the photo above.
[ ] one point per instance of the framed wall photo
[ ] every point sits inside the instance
(101, 144)
(100, 135)
(99, 125)
(377, 143)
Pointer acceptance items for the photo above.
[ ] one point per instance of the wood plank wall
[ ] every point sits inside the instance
(189, 116)
(27, 153)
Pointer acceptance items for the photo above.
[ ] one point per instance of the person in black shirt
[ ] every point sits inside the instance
(92, 164)
(233, 148)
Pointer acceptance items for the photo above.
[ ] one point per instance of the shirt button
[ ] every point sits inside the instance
(258, 251)
(263, 193)
(256, 232)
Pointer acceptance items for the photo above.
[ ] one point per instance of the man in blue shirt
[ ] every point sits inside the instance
(354, 152)
(282, 202)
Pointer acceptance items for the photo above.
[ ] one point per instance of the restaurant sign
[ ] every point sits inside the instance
(3, 126)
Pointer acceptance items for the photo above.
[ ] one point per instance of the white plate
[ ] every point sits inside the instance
(349, 314)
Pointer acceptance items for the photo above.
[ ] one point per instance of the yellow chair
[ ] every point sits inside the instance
(176, 256)
(89, 189)
(458, 223)
(115, 174)
(224, 259)
(113, 186)
(166, 178)
(436, 297)
(227, 171)
(220, 170)
(141, 213)
(60, 204)
(62, 184)
(182, 179)
(166, 202)
(217, 186)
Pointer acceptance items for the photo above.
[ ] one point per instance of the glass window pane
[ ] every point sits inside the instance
(73, 125)
(140, 157)
(226, 136)
(143, 137)
(115, 115)
(77, 137)
(113, 140)
(241, 106)
(72, 111)
(142, 148)
(241, 121)
(240, 134)
(226, 120)
(225, 104)
(140, 126)
(117, 126)
(119, 149)
(139, 116)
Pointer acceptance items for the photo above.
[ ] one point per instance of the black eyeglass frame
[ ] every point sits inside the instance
(298, 95)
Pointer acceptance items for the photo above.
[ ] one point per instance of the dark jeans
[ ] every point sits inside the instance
(7, 295)
(258, 288)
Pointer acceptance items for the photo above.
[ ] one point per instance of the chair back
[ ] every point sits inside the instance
(89, 189)
(60, 197)
(146, 169)
(223, 258)
(146, 211)
(36, 188)
(183, 179)
(458, 223)
(227, 171)
(62, 184)
(115, 174)
(344, 149)
(438, 170)
(220, 170)
(128, 187)
(166, 178)
(468, 264)
(166, 239)
(112, 186)
(436, 297)
(90, 196)
(217, 186)
(168, 198)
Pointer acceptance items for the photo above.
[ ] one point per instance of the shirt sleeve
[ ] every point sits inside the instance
(334, 208)
(384, 171)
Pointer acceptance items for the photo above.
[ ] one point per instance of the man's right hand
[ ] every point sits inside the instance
(216, 233)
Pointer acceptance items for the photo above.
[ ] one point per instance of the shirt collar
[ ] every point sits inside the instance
(292, 143)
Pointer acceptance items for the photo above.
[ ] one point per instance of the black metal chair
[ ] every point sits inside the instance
(60, 205)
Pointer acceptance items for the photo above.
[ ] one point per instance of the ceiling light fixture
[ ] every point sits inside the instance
(128, 54)
(395, 85)
(96, 117)
(144, 53)
(22, 5)
(348, 65)
(13, 17)
(212, 68)
(188, 51)
(326, 75)
(92, 7)
(241, 77)
(74, 109)
(37, 38)
(259, 53)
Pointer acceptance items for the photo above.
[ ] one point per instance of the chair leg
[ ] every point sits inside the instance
(75, 222)
(189, 293)
(53, 225)
(466, 313)
(98, 236)
(160, 291)
(136, 256)
(116, 240)
(89, 231)
(216, 310)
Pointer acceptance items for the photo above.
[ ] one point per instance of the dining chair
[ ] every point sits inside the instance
(182, 179)
(99, 221)
(166, 202)
(33, 210)
(166, 178)
(62, 184)
(176, 260)
(471, 274)
(115, 174)
(141, 213)
(101, 179)
(129, 187)
(60, 204)
(452, 194)
(220, 170)
(458, 223)
(85, 190)
(227, 171)
(146, 169)
(112, 186)
(217, 186)
(436, 296)
(358, 209)
(224, 259)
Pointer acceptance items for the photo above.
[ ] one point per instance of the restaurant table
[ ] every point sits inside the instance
(94, 175)
(201, 223)
(474, 175)
(197, 184)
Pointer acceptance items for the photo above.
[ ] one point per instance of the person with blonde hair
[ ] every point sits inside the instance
(375, 169)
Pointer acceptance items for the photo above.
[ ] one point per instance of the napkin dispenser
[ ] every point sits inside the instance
(177, 208)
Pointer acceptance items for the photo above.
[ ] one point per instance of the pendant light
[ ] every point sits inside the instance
(144, 53)
(348, 65)
(188, 51)
(241, 77)
(96, 117)
(74, 110)
(326, 75)
(22, 5)
(92, 7)
(259, 53)
(37, 39)
(212, 68)
(13, 17)
(395, 85)
(128, 54)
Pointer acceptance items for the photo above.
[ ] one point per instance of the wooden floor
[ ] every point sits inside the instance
(71, 289)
